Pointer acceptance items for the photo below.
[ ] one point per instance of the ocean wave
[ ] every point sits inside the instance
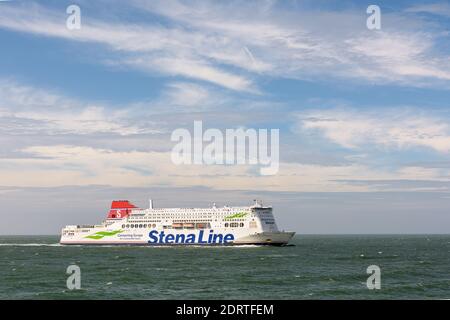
(30, 245)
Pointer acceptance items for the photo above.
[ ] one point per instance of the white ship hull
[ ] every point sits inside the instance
(128, 225)
(266, 238)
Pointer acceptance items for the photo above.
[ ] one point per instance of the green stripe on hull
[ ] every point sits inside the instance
(236, 216)
(102, 234)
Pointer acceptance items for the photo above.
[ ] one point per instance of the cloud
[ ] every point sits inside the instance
(32, 116)
(188, 94)
(28, 110)
(392, 129)
(214, 42)
(77, 165)
(442, 9)
(295, 43)
(399, 56)
(115, 159)
(228, 49)
(148, 47)
(194, 69)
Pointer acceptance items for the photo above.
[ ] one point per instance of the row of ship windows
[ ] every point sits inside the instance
(227, 225)
(192, 216)
(198, 210)
(181, 216)
(175, 221)
(138, 226)
(174, 217)
(188, 213)
(234, 225)
(185, 220)
(192, 220)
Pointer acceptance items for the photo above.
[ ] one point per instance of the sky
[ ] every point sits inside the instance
(86, 115)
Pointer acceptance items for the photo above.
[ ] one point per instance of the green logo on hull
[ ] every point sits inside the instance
(236, 215)
(102, 234)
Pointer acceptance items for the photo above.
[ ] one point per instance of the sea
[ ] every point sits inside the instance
(313, 267)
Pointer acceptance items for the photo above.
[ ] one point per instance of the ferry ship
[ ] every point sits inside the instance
(127, 224)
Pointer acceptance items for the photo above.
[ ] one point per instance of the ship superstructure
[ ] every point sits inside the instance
(127, 224)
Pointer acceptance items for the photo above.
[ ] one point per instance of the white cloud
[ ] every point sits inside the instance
(202, 40)
(195, 69)
(442, 9)
(28, 110)
(188, 94)
(75, 165)
(147, 47)
(400, 56)
(307, 44)
(387, 129)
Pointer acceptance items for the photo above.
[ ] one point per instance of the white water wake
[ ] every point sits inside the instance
(124, 246)
(30, 245)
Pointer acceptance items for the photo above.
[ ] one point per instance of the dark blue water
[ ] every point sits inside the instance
(317, 267)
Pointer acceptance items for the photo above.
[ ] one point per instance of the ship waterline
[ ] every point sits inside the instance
(127, 224)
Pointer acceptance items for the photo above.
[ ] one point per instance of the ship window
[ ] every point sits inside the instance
(226, 225)
(241, 224)
(123, 226)
(132, 225)
(145, 226)
(140, 226)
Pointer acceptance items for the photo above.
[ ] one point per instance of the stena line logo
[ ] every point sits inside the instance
(181, 238)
